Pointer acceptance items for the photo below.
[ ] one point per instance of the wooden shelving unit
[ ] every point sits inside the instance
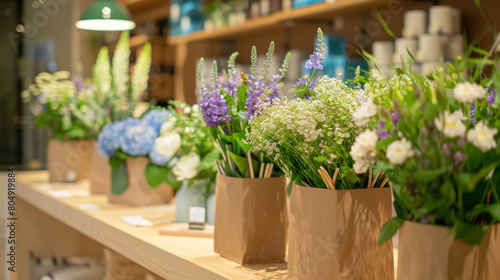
(315, 12)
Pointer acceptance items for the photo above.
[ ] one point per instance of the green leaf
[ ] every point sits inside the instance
(115, 162)
(494, 210)
(430, 205)
(382, 145)
(208, 160)
(171, 179)
(471, 234)
(320, 159)
(155, 174)
(448, 192)
(352, 177)
(241, 162)
(481, 174)
(400, 210)
(389, 229)
(119, 177)
(242, 96)
(229, 98)
(384, 25)
(427, 176)
(463, 182)
(244, 145)
(382, 166)
(301, 91)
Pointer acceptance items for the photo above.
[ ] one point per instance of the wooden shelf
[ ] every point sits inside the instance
(315, 12)
(170, 257)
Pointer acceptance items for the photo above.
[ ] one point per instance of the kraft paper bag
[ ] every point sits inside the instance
(333, 234)
(250, 219)
(138, 192)
(100, 173)
(69, 161)
(429, 252)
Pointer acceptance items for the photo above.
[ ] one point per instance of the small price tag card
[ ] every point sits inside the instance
(137, 220)
(197, 218)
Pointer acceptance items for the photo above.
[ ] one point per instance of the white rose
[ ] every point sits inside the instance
(360, 167)
(367, 139)
(482, 137)
(365, 113)
(452, 126)
(186, 167)
(468, 92)
(168, 144)
(399, 151)
(168, 126)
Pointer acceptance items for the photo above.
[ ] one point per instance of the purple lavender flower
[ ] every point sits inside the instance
(214, 107)
(274, 87)
(492, 97)
(395, 117)
(78, 81)
(314, 61)
(382, 133)
(472, 111)
(231, 85)
(256, 89)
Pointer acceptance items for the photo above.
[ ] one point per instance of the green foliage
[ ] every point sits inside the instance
(449, 180)
(119, 175)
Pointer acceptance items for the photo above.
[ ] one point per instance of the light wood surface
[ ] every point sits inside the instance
(170, 257)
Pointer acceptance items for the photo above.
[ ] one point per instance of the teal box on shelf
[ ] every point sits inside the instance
(186, 16)
(302, 3)
(337, 64)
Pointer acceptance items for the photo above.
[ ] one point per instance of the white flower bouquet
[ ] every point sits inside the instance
(65, 105)
(186, 140)
(437, 141)
(310, 136)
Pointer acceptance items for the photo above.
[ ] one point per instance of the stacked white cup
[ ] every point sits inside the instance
(432, 38)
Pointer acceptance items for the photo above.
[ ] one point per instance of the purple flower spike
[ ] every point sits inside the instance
(382, 133)
(78, 81)
(492, 97)
(472, 111)
(314, 61)
(395, 117)
(214, 107)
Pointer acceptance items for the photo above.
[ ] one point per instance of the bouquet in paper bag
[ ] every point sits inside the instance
(130, 138)
(309, 137)
(227, 108)
(437, 140)
(67, 106)
(187, 142)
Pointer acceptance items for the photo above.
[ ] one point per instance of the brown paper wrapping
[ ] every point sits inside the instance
(68, 156)
(250, 219)
(333, 234)
(427, 252)
(138, 192)
(100, 173)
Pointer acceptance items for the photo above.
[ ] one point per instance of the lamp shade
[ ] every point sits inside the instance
(105, 15)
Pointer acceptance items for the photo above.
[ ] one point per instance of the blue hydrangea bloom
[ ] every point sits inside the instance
(158, 159)
(156, 118)
(138, 140)
(110, 137)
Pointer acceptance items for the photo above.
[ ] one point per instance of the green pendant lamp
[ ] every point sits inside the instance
(106, 15)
